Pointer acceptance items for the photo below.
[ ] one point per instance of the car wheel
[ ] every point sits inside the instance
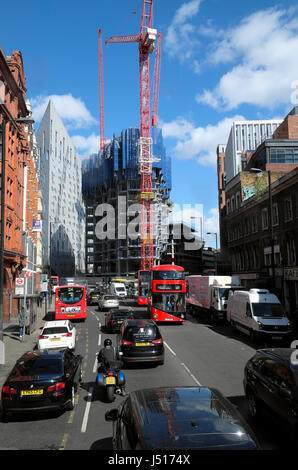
(253, 404)
(70, 405)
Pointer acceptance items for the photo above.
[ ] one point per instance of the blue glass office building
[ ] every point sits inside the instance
(115, 173)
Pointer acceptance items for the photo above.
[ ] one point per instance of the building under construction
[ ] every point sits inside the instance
(111, 180)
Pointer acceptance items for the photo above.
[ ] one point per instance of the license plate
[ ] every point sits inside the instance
(120, 321)
(31, 392)
(276, 337)
(110, 380)
(142, 344)
(55, 339)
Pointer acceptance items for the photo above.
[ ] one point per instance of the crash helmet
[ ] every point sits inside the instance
(107, 342)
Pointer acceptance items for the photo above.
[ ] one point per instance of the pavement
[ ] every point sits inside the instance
(14, 347)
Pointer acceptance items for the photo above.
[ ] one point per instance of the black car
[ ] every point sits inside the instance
(270, 381)
(140, 341)
(42, 381)
(93, 296)
(115, 318)
(179, 418)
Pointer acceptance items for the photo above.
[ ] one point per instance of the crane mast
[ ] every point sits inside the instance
(101, 98)
(146, 40)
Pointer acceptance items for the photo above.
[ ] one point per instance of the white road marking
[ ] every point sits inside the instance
(86, 414)
(174, 354)
(185, 367)
(99, 340)
(95, 364)
(192, 376)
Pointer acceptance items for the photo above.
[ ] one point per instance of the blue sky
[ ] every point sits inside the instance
(220, 61)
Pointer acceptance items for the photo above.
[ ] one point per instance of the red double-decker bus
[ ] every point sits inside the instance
(144, 279)
(71, 303)
(166, 301)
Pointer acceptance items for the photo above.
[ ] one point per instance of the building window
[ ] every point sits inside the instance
(254, 224)
(288, 209)
(232, 204)
(264, 219)
(291, 252)
(275, 220)
(228, 206)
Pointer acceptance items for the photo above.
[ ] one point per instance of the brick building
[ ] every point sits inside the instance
(14, 148)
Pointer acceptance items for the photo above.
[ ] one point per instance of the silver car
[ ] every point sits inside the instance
(108, 301)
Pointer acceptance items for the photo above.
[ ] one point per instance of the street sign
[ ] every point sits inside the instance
(20, 281)
(44, 287)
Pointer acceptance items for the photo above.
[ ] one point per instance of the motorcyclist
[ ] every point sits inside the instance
(106, 357)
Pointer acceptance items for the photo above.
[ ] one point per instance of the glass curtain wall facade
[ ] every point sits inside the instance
(113, 177)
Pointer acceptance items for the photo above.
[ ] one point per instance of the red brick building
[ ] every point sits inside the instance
(15, 147)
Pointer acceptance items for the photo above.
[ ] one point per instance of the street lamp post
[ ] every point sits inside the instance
(214, 233)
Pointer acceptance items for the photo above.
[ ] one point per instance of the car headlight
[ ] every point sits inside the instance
(289, 325)
(260, 325)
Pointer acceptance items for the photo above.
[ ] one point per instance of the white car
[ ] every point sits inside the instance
(108, 301)
(57, 334)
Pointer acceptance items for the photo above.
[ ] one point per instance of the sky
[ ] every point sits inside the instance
(220, 62)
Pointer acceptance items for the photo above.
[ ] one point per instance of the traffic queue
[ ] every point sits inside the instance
(192, 417)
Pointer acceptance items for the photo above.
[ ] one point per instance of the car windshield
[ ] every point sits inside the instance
(55, 330)
(168, 275)
(120, 289)
(138, 332)
(70, 295)
(269, 310)
(224, 292)
(38, 366)
(169, 302)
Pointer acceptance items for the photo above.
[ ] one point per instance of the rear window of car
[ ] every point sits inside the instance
(110, 297)
(55, 330)
(122, 314)
(136, 332)
(38, 366)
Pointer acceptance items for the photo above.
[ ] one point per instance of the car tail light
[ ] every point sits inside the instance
(43, 337)
(110, 373)
(7, 390)
(157, 341)
(57, 387)
(126, 343)
(67, 335)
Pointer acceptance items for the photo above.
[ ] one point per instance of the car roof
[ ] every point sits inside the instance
(189, 417)
(51, 324)
(283, 354)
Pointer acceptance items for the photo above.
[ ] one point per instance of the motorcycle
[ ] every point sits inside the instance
(111, 380)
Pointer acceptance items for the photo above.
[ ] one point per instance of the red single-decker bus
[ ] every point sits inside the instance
(71, 303)
(144, 278)
(166, 301)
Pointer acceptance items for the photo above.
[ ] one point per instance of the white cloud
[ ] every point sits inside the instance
(211, 224)
(198, 142)
(86, 145)
(261, 51)
(72, 110)
(180, 39)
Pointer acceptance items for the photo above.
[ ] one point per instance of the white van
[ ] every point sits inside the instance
(259, 314)
(119, 289)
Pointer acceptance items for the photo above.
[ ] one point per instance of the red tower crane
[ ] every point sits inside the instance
(156, 79)
(101, 100)
(146, 40)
